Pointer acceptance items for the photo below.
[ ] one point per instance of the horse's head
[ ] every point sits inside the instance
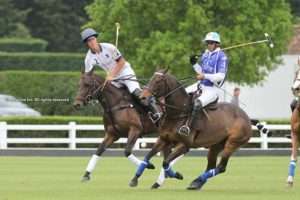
(158, 85)
(89, 86)
(296, 85)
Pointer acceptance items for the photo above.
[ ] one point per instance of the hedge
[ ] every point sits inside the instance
(84, 120)
(22, 45)
(51, 93)
(41, 61)
(51, 120)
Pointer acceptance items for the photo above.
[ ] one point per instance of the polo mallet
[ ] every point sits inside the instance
(117, 32)
(266, 40)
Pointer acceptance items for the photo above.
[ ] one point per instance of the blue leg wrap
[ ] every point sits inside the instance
(141, 168)
(292, 167)
(210, 173)
(169, 172)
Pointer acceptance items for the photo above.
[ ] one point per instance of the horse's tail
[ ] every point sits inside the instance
(261, 127)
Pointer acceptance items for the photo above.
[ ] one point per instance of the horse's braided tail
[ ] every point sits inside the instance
(261, 127)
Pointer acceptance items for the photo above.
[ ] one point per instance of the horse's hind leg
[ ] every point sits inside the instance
(212, 155)
(133, 135)
(293, 161)
(229, 148)
(108, 140)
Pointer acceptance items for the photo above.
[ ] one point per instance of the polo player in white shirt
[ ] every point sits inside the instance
(109, 58)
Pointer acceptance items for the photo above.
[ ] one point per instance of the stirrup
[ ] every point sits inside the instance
(184, 130)
(154, 117)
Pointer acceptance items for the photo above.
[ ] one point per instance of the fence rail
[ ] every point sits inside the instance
(72, 140)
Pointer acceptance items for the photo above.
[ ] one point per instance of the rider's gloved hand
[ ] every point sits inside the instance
(194, 59)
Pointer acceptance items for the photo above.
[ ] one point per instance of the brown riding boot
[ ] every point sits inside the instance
(155, 113)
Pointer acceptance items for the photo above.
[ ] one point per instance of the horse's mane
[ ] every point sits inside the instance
(173, 78)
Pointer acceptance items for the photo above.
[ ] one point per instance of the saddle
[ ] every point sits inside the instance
(212, 106)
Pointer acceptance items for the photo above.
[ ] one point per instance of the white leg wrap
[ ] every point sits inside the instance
(161, 178)
(176, 159)
(134, 160)
(92, 163)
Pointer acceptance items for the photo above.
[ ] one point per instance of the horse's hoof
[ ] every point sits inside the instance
(178, 176)
(155, 186)
(150, 166)
(290, 181)
(133, 182)
(196, 185)
(85, 179)
(290, 184)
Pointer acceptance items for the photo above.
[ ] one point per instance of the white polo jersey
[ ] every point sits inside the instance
(106, 59)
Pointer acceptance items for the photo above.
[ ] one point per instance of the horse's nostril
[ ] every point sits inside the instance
(76, 106)
(89, 98)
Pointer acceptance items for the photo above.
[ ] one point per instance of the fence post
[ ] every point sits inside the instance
(3, 135)
(264, 139)
(137, 145)
(72, 135)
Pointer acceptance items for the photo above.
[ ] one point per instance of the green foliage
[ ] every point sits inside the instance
(295, 8)
(21, 44)
(11, 20)
(56, 21)
(159, 34)
(52, 120)
(51, 93)
(41, 61)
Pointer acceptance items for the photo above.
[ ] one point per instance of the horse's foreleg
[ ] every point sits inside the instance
(293, 161)
(180, 149)
(158, 146)
(108, 140)
(133, 135)
(162, 176)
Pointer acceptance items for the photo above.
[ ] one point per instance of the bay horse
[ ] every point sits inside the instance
(295, 129)
(224, 128)
(123, 117)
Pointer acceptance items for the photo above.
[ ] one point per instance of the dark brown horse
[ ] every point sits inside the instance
(225, 128)
(123, 117)
(295, 129)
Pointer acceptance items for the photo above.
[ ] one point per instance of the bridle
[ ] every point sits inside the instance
(296, 90)
(167, 87)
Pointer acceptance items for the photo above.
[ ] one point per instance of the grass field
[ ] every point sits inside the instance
(58, 178)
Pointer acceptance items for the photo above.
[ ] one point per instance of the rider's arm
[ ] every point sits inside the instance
(197, 68)
(120, 61)
(118, 67)
(215, 78)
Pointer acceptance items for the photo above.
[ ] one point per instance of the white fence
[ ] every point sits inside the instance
(72, 140)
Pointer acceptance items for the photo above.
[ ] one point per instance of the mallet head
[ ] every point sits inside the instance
(269, 40)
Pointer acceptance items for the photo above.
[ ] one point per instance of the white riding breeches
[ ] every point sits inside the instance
(127, 73)
(209, 93)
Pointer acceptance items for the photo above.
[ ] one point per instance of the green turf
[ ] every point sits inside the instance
(58, 178)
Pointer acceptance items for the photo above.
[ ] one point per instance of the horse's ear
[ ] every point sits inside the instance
(82, 70)
(166, 69)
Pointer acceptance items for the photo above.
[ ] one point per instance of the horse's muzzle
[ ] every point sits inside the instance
(77, 104)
